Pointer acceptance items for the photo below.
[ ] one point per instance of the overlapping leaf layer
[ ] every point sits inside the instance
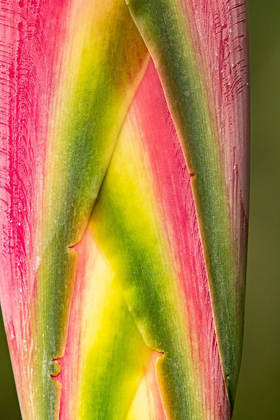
(124, 205)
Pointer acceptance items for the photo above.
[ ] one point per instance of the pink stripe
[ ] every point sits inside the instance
(172, 187)
(31, 34)
(219, 31)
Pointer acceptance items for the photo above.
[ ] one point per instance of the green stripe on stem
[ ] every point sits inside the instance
(91, 109)
(168, 36)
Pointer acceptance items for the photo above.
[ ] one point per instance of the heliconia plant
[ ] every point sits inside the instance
(124, 205)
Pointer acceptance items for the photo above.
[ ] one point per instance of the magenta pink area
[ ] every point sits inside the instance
(31, 33)
(172, 188)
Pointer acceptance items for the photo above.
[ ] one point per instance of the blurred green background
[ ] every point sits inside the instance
(258, 396)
